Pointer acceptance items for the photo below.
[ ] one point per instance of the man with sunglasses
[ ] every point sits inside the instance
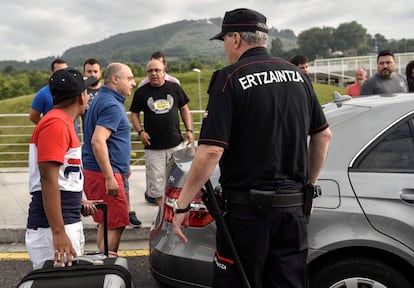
(160, 100)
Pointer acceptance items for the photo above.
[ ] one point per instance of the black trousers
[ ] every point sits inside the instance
(273, 248)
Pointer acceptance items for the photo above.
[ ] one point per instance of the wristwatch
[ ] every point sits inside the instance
(177, 209)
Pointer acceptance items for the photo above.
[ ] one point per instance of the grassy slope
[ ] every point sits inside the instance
(21, 104)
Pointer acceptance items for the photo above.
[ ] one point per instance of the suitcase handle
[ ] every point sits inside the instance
(94, 261)
(104, 207)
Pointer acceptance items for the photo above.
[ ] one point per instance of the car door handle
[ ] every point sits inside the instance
(407, 195)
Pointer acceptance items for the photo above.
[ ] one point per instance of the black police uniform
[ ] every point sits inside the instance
(261, 110)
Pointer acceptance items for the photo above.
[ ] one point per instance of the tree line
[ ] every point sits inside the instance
(15, 82)
(347, 40)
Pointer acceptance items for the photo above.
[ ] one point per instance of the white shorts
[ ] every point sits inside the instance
(39, 243)
(155, 163)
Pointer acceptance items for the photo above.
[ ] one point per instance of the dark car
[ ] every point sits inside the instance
(361, 232)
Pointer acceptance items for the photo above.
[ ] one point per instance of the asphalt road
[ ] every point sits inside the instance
(12, 271)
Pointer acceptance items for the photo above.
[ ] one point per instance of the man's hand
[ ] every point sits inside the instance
(88, 207)
(112, 187)
(63, 249)
(179, 220)
(145, 138)
(189, 137)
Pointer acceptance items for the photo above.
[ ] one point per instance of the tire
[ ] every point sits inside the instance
(357, 272)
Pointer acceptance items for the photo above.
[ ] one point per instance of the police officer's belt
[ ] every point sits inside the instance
(280, 198)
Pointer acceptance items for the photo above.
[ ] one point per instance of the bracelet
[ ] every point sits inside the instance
(177, 210)
(140, 131)
(189, 130)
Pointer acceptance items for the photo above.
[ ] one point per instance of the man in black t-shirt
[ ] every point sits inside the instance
(160, 101)
(260, 112)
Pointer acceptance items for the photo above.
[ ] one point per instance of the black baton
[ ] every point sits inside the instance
(210, 199)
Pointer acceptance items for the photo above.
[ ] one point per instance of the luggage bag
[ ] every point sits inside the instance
(94, 270)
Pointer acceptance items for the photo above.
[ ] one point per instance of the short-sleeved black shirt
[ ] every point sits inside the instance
(160, 106)
(261, 110)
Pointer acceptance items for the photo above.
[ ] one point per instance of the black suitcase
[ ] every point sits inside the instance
(96, 270)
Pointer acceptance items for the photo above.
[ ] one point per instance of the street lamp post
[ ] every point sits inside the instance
(198, 71)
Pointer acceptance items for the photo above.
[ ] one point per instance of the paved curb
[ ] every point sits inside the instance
(17, 235)
(135, 248)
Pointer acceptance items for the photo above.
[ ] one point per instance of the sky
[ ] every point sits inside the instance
(30, 30)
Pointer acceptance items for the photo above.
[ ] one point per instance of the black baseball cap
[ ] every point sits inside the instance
(68, 83)
(241, 20)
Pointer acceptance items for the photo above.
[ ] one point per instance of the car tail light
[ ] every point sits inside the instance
(199, 215)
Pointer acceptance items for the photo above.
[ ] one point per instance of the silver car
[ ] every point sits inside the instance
(361, 232)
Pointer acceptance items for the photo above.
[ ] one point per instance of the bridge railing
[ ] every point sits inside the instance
(342, 70)
(16, 131)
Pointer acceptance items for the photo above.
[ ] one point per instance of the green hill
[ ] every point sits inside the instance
(181, 41)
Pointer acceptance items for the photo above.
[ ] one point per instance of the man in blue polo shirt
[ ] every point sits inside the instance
(107, 151)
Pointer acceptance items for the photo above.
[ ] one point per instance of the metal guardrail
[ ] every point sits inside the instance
(343, 69)
(16, 131)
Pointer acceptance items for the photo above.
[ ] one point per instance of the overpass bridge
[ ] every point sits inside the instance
(341, 71)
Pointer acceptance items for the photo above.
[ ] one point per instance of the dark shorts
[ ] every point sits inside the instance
(273, 248)
(94, 187)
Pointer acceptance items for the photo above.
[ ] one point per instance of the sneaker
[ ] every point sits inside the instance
(150, 200)
(134, 220)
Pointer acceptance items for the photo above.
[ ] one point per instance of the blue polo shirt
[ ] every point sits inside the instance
(107, 110)
(43, 100)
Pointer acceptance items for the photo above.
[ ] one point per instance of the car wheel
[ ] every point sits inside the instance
(357, 272)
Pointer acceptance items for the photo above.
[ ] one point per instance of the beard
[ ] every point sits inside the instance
(385, 72)
(95, 84)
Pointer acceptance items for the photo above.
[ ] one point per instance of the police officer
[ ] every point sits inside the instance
(260, 112)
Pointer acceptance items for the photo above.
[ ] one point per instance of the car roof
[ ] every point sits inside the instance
(355, 122)
(348, 108)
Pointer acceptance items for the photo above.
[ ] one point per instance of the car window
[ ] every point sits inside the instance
(394, 151)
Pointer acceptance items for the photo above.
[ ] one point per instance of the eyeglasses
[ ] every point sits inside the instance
(156, 70)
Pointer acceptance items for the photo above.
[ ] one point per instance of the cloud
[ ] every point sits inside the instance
(34, 29)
